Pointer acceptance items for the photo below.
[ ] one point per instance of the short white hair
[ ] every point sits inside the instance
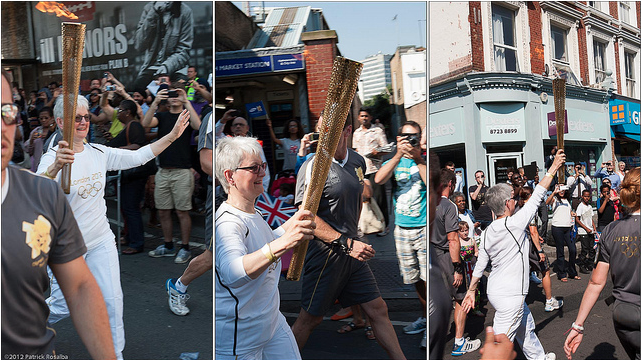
(496, 197)
(58, 109)
(230, 153)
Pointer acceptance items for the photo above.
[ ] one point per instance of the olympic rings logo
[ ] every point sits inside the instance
(88, 190)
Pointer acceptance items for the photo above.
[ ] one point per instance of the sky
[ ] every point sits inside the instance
(366, 27)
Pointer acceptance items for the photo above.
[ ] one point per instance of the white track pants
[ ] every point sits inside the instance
(103, 264)
(513, 318)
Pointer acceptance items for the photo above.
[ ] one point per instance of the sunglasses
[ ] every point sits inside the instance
(79, 118)
(11, 114)
(238, 124)
(254, 169)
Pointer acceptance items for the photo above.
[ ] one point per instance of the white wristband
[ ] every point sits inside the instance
(578, 328)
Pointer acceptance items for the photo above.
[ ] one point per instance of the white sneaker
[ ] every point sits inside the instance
(177, 300)
(417, 326)
(423, 344)
(467, 346)
(550, 356)
(553, 304)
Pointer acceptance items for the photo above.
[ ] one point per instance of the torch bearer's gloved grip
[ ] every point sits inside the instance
(342, 244)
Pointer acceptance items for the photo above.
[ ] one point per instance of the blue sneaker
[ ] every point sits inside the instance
(466, 347)
(177, 300)
(416, 327)
(161, 251)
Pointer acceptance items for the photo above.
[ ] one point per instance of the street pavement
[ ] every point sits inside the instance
(152, 331)
(599, 341)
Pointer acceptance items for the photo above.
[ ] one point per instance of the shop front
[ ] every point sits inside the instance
(624, 125)
(497, 122)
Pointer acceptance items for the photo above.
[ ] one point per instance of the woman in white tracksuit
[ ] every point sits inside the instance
(86, 197)
(505, 244)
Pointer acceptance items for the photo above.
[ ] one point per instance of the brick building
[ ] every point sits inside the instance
(491, 71)
(287, 64)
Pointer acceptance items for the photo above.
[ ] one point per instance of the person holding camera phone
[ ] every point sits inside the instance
(410, 204)
(174, 179)
(562, 216)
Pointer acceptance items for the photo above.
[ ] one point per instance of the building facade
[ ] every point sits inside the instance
(375, 77)
(491, 71)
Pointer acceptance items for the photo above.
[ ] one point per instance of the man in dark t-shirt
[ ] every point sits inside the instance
(480, 210)
(39, 230)
(336, 261)
(605, 209)
(174, 180)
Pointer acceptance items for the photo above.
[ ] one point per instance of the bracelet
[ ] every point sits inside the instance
(267, 251)
(548, 174)
(540, 251)
(47, 174)
(578, 328)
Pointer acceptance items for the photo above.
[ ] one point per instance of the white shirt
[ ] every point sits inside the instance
(467, 217)
(585, 213)
(505, 243)
(257, 301)
(584, 181)
(88, 179)
(561, 213)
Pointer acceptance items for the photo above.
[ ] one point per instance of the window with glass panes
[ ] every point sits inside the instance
(630, 74)
(624, 11)
(505, 51)
(559, 43)
(599, 61)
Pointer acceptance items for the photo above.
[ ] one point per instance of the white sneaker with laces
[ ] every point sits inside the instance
(553, 304)
(177, 300)
(467, 346)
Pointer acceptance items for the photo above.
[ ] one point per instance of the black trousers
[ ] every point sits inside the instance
(627, 318)
(378, 194)
(587, 255)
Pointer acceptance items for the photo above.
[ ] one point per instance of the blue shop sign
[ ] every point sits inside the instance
(288, 62)
(259, 64)
(624, 118)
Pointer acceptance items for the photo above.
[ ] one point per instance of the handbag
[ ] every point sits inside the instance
(139, 172)
(371, 220)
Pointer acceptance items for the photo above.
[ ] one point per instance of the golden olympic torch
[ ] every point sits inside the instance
(73, 43)
(340, 94)
(558, 88)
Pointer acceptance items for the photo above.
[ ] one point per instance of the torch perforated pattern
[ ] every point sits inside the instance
(558, 88)
(340, 94)
(73, 43)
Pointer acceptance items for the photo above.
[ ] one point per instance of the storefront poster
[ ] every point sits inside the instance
(115, 40)
(503, 122)
(552, 124)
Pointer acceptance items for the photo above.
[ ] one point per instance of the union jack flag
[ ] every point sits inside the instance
(274, 211)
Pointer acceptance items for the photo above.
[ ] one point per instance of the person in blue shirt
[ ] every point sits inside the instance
(410, 204)
(607, 171)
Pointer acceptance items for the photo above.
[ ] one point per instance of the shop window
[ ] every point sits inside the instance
(599, 61)
(505, 51)
(630, 76)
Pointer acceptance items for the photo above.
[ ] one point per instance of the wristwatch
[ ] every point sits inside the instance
(458, 267)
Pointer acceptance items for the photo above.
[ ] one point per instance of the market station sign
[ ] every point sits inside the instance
(259, 64)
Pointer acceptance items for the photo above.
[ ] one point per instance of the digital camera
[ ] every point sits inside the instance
(110, 87)
(414, 140)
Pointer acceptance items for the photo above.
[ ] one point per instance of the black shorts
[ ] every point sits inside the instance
(331, 274)
(537, 265)
(445, 264)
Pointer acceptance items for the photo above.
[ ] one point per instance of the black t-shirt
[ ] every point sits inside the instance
(136, 136)
(607, 216)
(38, 229)
(480, 210)
(178, 154)
(619, 247)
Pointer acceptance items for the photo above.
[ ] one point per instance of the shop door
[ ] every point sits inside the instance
(499, 164)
